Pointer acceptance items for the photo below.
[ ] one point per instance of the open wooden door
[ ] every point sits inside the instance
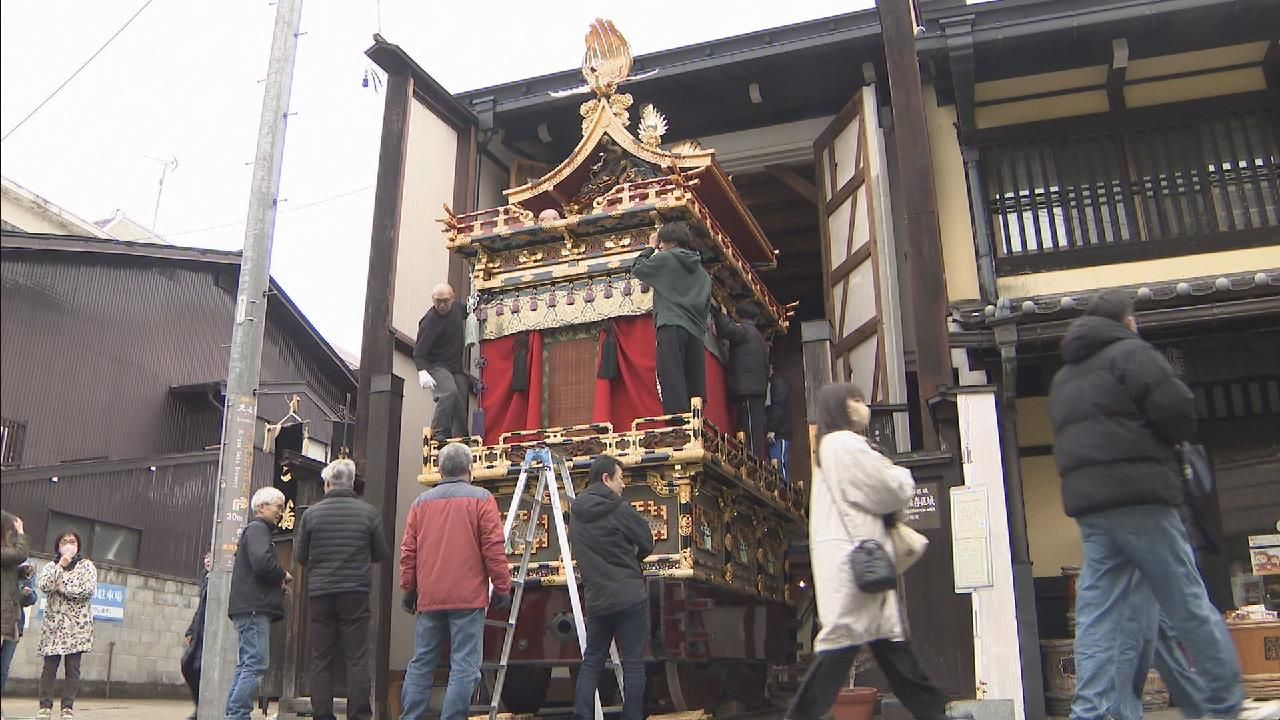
(860, 269)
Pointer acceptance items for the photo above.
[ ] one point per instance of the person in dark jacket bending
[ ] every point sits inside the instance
(1118, 410)
(609, 540)
(748, 373)
(339, 539)
(437, 353)
(194, 639)
(681, 301)
(257, 599)
(778, 418)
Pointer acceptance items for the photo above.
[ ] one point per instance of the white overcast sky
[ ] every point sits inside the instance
(183, 82)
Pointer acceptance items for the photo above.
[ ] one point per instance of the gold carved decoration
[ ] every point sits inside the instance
(684, 492)
(607, 61)
(658, 484)
(616, 105)
(652, 126)
(519, 530)
(686, 559)
(686, 525)
(656, 515)
(687, 147)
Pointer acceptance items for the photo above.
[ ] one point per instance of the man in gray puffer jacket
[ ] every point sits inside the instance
(338, 540)
(1118, 409)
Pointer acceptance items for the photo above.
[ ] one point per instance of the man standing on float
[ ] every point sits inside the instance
(681, 302)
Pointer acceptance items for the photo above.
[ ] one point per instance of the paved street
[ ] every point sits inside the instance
(25, 709)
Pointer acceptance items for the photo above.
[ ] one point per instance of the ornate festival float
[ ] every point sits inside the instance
(565, 357)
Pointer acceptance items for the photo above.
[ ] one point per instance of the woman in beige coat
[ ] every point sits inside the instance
(854, 496)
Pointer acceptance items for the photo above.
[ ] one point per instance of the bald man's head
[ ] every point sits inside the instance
(442, 298)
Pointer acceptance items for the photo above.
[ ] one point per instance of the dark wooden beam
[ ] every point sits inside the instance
(1271, 67)
(958, 32)
(380, 398)
(1115, 76)
(919, 208)
(789, 177)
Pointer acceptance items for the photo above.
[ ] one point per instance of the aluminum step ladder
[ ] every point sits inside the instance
(542, 461)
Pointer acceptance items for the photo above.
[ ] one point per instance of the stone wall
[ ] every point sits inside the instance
(144, 651)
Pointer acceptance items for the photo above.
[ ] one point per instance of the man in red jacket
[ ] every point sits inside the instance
(452, 550)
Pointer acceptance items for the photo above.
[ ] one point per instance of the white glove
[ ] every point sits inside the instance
(426, 381)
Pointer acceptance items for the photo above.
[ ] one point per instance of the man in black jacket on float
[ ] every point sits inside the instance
(257, 599)
(609, 540)
(437, 353)
(748, 373)
(1118, 409)
(339, 539)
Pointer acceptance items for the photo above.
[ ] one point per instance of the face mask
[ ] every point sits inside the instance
(860, 414)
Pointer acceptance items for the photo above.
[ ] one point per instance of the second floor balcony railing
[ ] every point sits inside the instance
(1112, 195)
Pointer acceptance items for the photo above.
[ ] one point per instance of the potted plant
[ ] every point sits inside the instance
(853, 702)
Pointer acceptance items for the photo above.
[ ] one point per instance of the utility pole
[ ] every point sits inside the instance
(240, 418)
(925, 281)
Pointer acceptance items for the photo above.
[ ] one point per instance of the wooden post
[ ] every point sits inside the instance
(925, 280)
(381, 394)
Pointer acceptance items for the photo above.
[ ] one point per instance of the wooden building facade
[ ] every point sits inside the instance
(1072, 146)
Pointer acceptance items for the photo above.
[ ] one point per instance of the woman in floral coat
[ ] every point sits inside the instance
(68, 620)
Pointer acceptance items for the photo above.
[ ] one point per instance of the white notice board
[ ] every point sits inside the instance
(970, 538)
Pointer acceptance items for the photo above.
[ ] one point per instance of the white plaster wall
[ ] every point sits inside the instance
(998, 669)
(422, 261)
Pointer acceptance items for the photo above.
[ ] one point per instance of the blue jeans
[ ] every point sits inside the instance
(1145, 544)
(251, 665)
(629, 627)
(7, 650)
(1151, 642)
(464, 629)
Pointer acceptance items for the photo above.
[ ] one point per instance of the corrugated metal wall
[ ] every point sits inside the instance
(171, 507)
(92, 344)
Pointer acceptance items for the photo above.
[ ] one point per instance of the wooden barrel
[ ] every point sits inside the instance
(1258, 647)
(1072, 574)
(1155, 696)
(1059, 675)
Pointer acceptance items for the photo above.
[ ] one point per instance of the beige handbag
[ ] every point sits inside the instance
(908, 546)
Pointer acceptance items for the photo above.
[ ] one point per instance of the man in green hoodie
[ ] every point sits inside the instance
(681, 302)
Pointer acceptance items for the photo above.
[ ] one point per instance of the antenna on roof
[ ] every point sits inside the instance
(165, 167)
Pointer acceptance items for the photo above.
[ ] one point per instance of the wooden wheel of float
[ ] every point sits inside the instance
(710, 686)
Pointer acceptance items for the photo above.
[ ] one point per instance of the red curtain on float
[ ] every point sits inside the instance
(506, 409)
(634, 393)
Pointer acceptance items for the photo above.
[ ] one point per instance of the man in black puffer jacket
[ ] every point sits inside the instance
(748, 373)
(1118, 410)
(338, 540)
(609, 540)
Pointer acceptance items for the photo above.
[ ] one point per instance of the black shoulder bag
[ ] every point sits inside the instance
(873, 569)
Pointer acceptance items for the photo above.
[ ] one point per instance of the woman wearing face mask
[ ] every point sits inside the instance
(855, 493)
(67, 632)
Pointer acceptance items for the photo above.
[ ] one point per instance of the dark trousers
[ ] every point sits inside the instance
(830, 672)
(69, 687)
(191, 665)
(682, 369)
(629, 627)
(751, 423)
(340, 626)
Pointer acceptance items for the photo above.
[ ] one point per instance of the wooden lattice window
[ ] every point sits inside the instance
(569, 376)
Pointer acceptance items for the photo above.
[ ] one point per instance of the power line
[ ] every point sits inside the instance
(234, 223)
(77, 71)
